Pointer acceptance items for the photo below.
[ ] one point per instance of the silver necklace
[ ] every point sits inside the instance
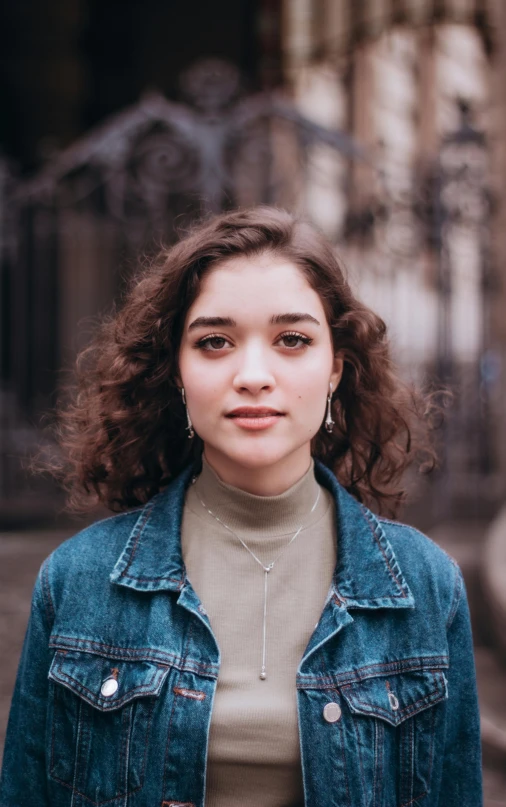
(266, 569)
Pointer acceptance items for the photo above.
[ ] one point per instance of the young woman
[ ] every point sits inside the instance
(247, 632)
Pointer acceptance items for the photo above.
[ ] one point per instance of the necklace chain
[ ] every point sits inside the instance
(266, 569)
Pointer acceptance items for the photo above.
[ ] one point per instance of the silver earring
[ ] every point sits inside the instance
(190, 426)
(329, 423)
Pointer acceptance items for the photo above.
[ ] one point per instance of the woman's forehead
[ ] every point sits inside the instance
(255, 273)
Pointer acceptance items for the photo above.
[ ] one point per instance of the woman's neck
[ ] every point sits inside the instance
(260, 480)
(252, 515)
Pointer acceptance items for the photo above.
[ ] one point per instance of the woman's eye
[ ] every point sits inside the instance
(206, 343)
(297, 337)
(213, 344)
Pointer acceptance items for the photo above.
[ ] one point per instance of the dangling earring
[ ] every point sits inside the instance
(190, 426)
(329, 423)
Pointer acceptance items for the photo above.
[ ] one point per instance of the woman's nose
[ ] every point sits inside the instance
(254, 371)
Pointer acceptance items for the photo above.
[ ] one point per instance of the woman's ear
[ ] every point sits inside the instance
(337, 372)
(177, 380)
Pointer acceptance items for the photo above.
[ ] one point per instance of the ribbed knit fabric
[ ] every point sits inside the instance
(254, 752)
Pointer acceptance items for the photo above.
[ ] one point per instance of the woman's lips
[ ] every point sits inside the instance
(255, 422)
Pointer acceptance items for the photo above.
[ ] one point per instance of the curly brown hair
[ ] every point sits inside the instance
(122, 434)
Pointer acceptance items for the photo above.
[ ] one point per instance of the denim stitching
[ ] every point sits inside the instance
(402, 666)
(343, 754)
(190, 629)
(324, 665)
(417, 532)
(431, 761)
(79, 744)
(379, 735)
(402, 763)
(406, 712)
(96, 699)
(52, 762)
(411, 756)
(146, 740)
(393, 667)
(127, 652)
(178, 580)
(126, 714)
(375, 764)
(370, 524)
(432, 731)
(139, 654)
(46, 592)
(86, 798)
(127, 792)
(359, 756)
(140, 529)
(71, 787)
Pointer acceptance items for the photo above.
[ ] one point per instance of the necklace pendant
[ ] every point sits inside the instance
(263, 674)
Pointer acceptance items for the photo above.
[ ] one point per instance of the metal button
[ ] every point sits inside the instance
(109, 687)
(332, 712)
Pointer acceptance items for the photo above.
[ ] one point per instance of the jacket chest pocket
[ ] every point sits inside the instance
(395, 724)
(100, 723)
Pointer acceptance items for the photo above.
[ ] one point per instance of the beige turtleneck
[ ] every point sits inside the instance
(254, 752)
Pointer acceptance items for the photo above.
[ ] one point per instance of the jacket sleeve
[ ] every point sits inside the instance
(461, 784)
(23, 781)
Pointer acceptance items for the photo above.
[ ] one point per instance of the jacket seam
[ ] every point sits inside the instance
(404, 713)
(92, 698)
(140, 529)
(342, 740)
(378, 670)
(140, 654)
(172, 712)
(178, 580)
(49, 610)
(421, 534)
(368, 516)
(457, 593)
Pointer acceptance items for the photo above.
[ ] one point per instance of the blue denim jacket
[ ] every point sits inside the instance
(113, 699)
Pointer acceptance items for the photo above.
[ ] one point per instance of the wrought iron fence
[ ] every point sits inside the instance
(70, 234)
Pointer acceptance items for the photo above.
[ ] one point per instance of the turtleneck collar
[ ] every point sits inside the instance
(247, 513)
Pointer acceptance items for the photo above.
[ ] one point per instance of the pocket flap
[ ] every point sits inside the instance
(396, 697)
(105, 683)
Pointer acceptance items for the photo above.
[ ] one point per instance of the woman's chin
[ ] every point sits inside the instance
(253, 454)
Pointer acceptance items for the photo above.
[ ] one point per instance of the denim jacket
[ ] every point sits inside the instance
(114, 693)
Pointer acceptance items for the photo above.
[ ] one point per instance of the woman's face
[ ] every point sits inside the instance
(257, 336)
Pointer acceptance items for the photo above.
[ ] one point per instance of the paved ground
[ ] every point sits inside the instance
(20, 557)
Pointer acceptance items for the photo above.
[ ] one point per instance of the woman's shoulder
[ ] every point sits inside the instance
(96, 545)
(420, 547)
(429, 570)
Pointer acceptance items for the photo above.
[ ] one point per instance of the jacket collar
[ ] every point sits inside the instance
(367, 574)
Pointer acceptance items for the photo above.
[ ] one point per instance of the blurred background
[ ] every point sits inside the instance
(383, 120)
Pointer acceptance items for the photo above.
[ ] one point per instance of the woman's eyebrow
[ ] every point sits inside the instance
(228, 322)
